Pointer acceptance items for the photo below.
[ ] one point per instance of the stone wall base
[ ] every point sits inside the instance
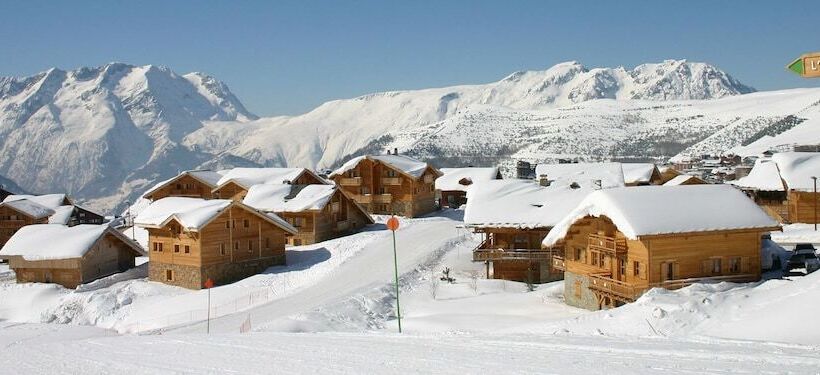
(193, 277)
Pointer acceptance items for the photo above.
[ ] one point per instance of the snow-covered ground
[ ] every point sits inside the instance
(332, 309)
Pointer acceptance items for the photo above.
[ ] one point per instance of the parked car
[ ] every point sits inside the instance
(804, 256)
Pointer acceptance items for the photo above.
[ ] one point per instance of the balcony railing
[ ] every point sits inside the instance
(382, 198)
(350, 181)
(511, 254)
(629, 293)
(391, 181)
(608, 245)
(363, 199)
(614, 287)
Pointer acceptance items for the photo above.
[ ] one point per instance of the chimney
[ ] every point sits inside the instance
(395, 150)
(543, 180)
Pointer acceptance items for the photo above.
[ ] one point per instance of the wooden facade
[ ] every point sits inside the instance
(112, 253)
(668, 174)
(516, 255)
(605, 269)
(184, 185)
(237, 243)
(803, 207)
(12, 220)
(383, 189)
(341, 216)
(452, 198)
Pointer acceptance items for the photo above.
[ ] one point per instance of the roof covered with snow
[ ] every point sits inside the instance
(452, 178)
(584, 174)
(519, 204)
(652, 210)
(405, 164)
(798, 168)
(29, 208)
(680, 179)
(62, 215)
(289, 198)
(194, 213)
(636, 173)
(54, 241)
(248, 177)
(51, 201)
(764, 176)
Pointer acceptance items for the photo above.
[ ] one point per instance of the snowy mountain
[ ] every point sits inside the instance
(105, 134)
(88, 131)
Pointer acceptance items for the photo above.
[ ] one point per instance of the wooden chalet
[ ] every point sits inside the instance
(641, 174)
(620, 242)
(318, 212)
(18, 210)
(668, 173)
(452, 186)
(69, 256)
(784, 187)
(235, 183)
(389, 184)
(192, 240)
(513, 217)
(685, 179)
(192, 184)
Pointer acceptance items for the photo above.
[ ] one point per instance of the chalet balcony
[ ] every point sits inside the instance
(351, 181)
(607, 245)
(12, 223)
(363, 199)
(480, 255)
(391, 181)
(382, 198)
(558, 263)
(614, 288)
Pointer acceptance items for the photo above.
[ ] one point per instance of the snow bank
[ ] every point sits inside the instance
(53, 241)
(650, 210)
(519, 204)
(451, 180)
(584, 174)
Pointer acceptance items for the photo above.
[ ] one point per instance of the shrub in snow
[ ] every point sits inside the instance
(446, 276)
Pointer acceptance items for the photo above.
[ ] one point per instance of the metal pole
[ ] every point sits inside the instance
(396, 273)
(208, 324)
(815, 203)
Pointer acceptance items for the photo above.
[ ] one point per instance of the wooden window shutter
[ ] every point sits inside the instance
(707, 267)
(676, 270)
(745, 265)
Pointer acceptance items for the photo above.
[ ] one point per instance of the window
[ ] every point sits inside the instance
(716, 265)
(267, 242)
(179, 186)
(669, 271)
(365, 190)
(250, 245)
(622, 266)
(734, 265)
(169, 275)
(176, 248)
(391, 173)
(298, 222)
(636, 268)
(236, 245)
(158, 246)
(222, 249)
(187, 249)
(227, 225)
(246, 223)
(297, 242)
(578, 252)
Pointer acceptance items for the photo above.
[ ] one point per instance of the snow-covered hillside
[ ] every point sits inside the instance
(106, 134)
(90, 130)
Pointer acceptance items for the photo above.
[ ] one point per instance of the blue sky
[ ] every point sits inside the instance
(286, 57)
